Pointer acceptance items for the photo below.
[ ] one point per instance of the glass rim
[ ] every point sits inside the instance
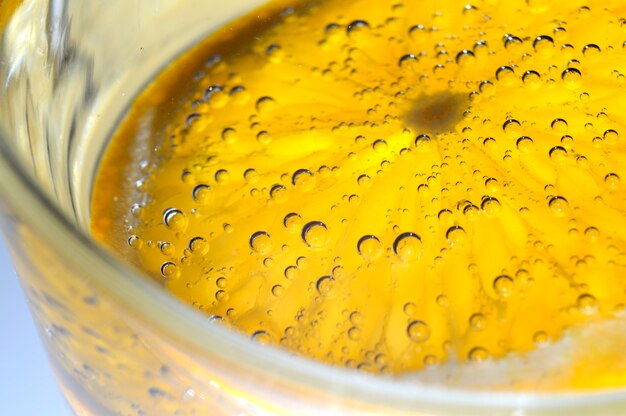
(155, 307)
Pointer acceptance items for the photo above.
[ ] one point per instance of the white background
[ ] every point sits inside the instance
(27, 387)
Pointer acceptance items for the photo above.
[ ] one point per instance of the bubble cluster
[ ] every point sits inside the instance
(389, 186)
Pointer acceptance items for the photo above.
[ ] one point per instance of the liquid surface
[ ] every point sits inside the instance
(386, 186)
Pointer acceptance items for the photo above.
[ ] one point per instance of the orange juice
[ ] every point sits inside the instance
(383, 185)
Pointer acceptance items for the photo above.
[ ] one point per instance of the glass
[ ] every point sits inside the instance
(117, 342)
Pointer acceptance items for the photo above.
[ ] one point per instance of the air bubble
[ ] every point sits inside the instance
(380, 146)
(315, 234)
(265, 105)
(503, 286)
(505, 75)
(478, 354)
(356, 27)
(559, 125)
(199, 245)
(511, 127)
(303, 180)
(423, 143)
(611, 136)
(175, 219)
(524, 144)
(261, 242)
(369, 247)
(418, 331)
(491, 206)
(587, 304)
(531, 80)
(544, 45)
(478, 322)
(408, 62)
(325, 284)
(408, 247)
(591, 50)
(572, 78)
(558, 153)
(612, 180)
(279, 194)
(559, 206)
(456, 235)
(202, 194)
(170, 271)
(465, 57)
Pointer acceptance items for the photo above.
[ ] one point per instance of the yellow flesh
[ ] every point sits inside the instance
(330, 226)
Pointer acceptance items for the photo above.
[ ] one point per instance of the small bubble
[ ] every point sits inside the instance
(135, 242)
(491, 185)
(274, 53)
(592, 234)
(262, 337)
(263, 137)
(560, 33)
(325, 284)
(279, 193)
(169, 270)
(357, 26)
(292, 222)
(191, 119)
(572, 78)
(478, 322)
(278, 290)
(423, 143)
(503, 285)
(315, 234)
(251, 175)
(212, 91)
(175, 219)
(409, 308)
(558, 153)
(369, 247)
(365, 181)
(541, 338)
(380, 146)
(418, 331)
(531, 79)
(612, 180)
(199, 245)
(505, 75)
(544, 45)
(261, 242)
(291, 272)
(591, 50)
(229, 135)
(524, 144)
(559, 125)
(611, 136)
(265, 105)
(487, 88)
(202, 194)
(354, 333)
(303, 180)
(587, 304)
(512, 42)
(511, 127)
(222, 176)
(491, 206)
(408, 247)
(558, 205)
(478, 354)
(465, 57)
(456, 235)
(408, 62)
